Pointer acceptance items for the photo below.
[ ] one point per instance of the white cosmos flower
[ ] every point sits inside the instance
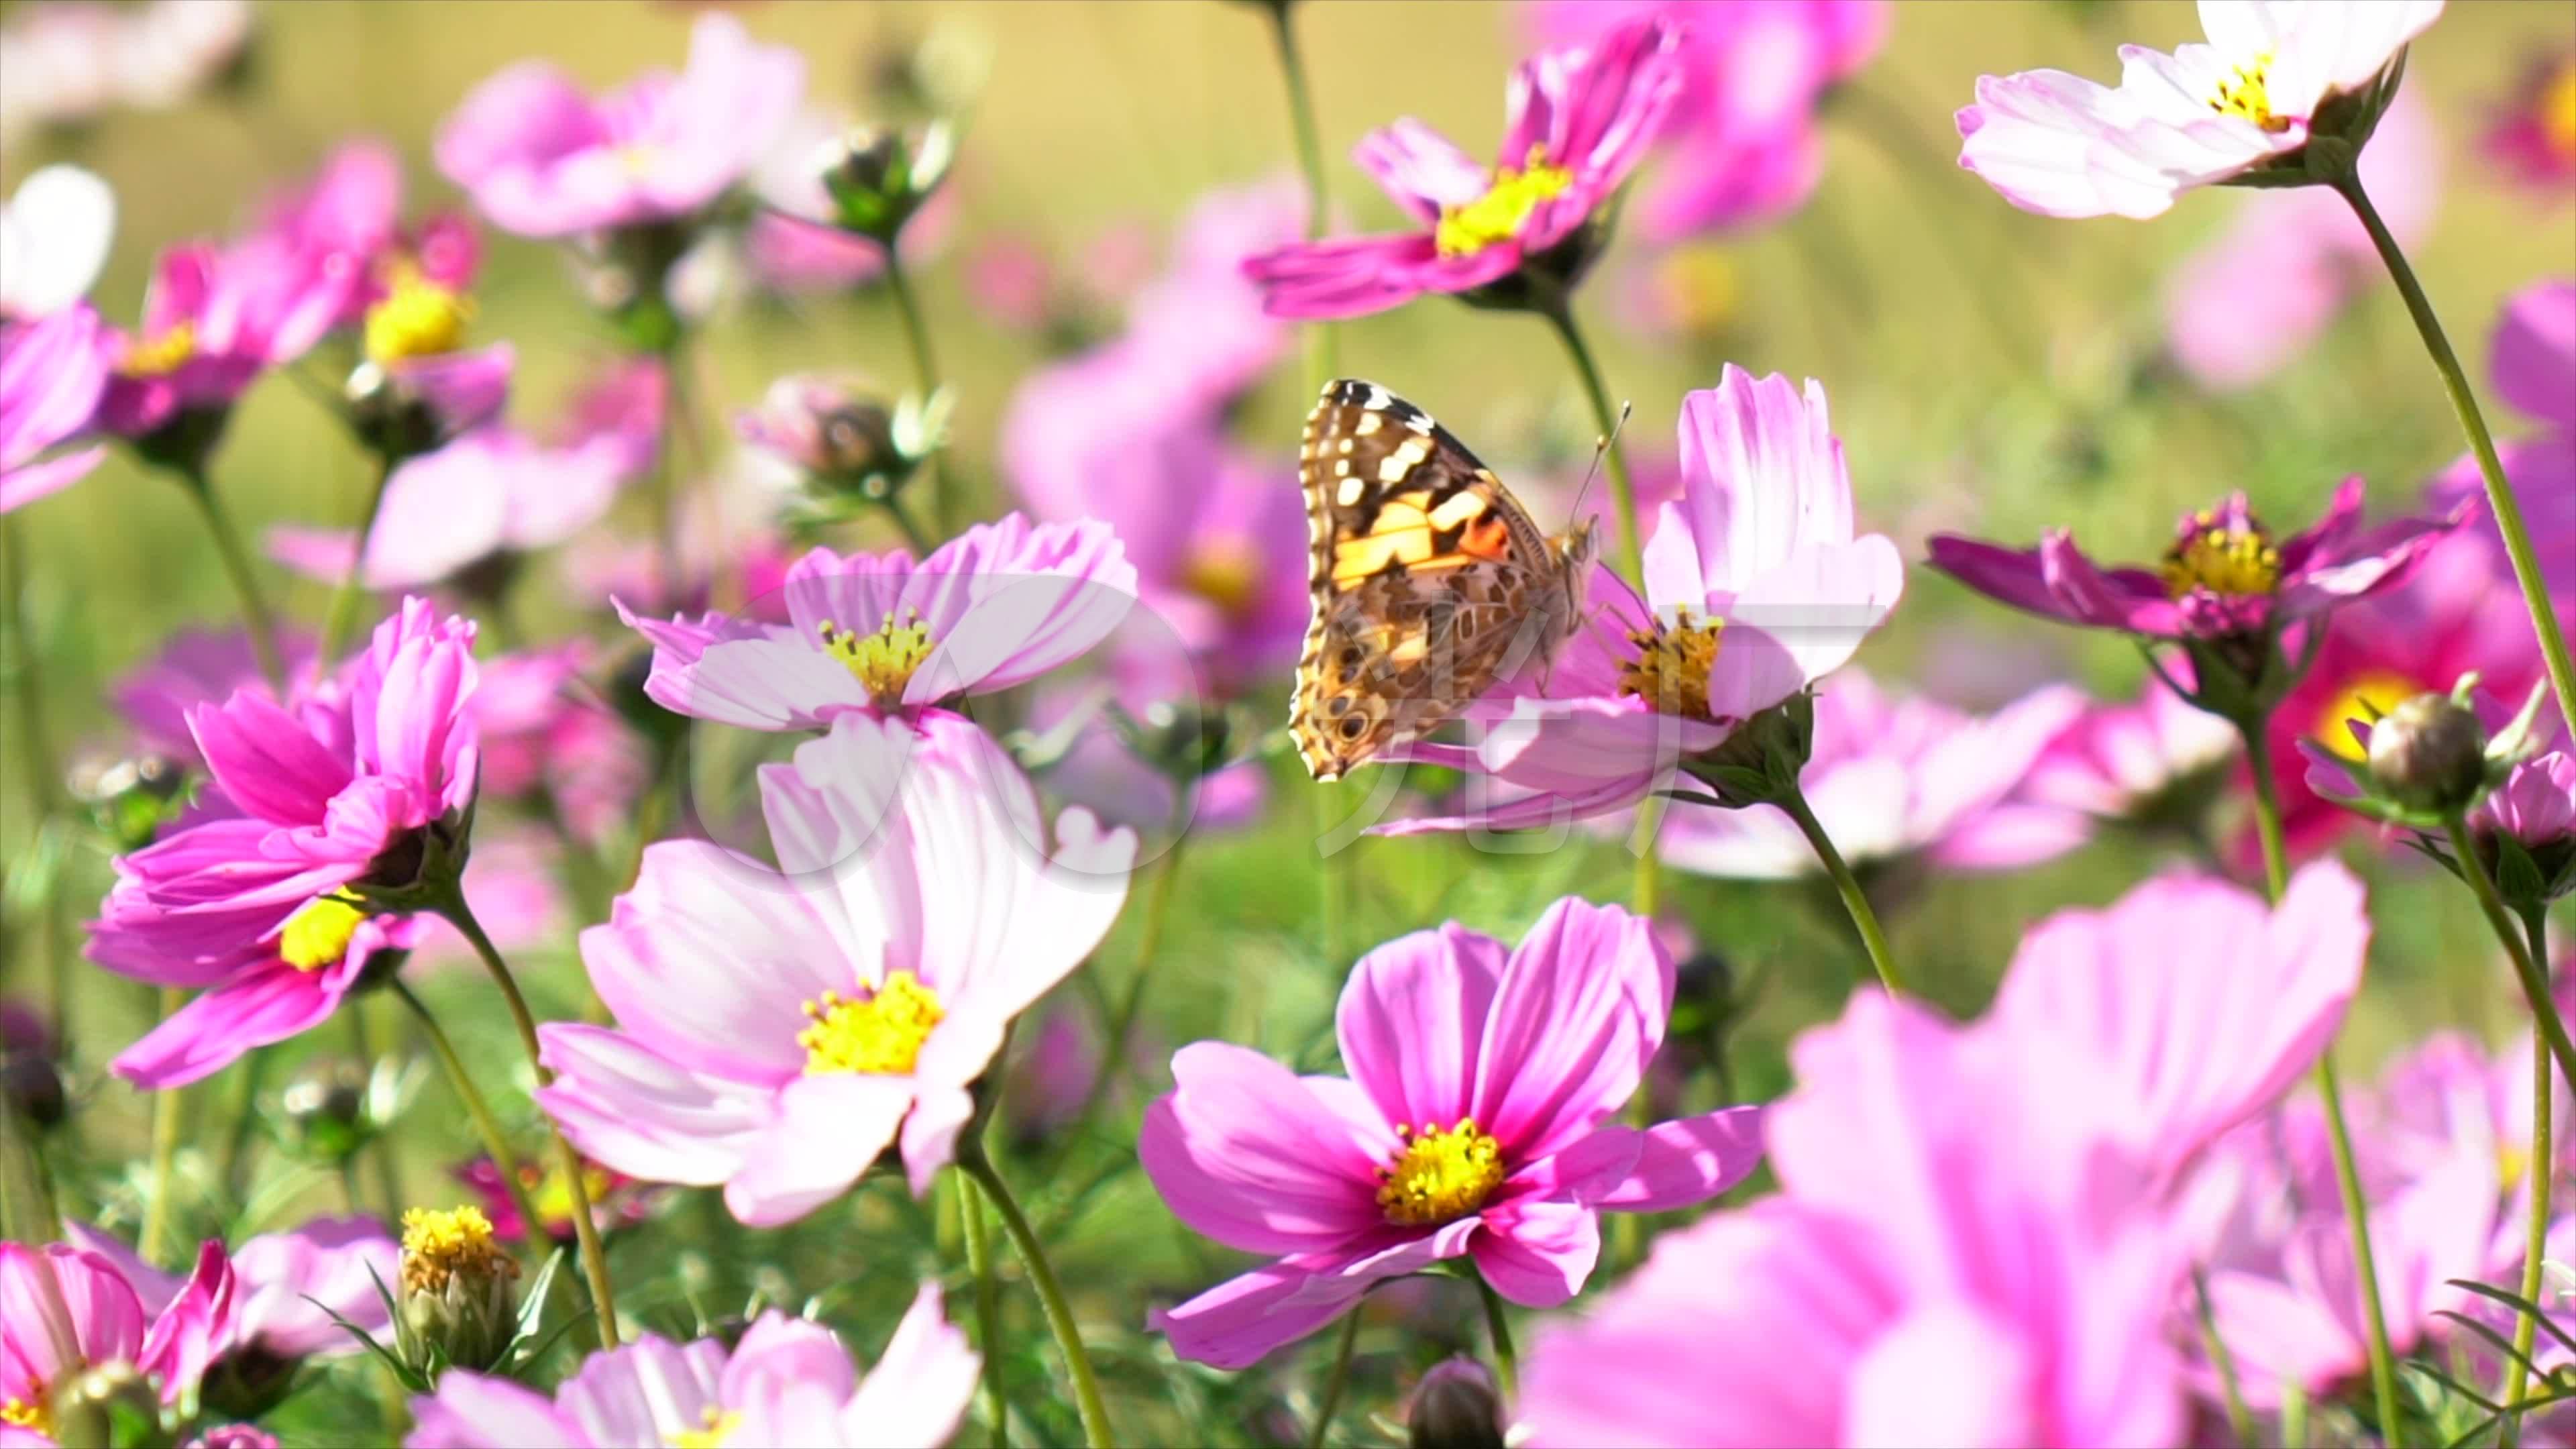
(54, 235)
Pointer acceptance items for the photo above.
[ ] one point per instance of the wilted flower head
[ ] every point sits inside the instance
(1578, 121)
(2285, 92)
(57, 1296)
(459, 1302)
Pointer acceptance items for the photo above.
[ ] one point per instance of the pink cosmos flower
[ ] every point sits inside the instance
(53, 372)
(547, 732)
(1577, 121)
(2224, 575)
(1740, 145)
(2532, 360)
(2536, 804)
(286, 1286)
(198, 667)
(616, 1200)
(997, 606)
(248, 905)
(2123, 761)
(777, 1031)
(90, 1307)
(2533, 137)
(541, 159)
(1756, 587)
(74, 62)
(787, 1381)
(1477, 1122)
(2060, 145)
(213, 321)
(1893, 776)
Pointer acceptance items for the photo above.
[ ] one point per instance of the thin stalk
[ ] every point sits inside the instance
(1336, 1380)
(594, 1257)
(988, 1306)
(344, 598)
(487, 1126)
(2500, 495)
(1322, 340)
(1559, 312)
(2526, 968)
(256, 618)
(2542, 1168)
(2267, 810)
(44, 778)
(165, 1153)
(2240, 1420)
(1507, 1364)
(1847, 885)
(925, 371)
(666, 477)
(977, 1165)
(254, 1071)
(909, 527)
(388, 1182)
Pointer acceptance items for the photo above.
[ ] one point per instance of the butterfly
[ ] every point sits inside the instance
(1430, 580)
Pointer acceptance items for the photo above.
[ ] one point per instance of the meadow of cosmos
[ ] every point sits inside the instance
(781, 723)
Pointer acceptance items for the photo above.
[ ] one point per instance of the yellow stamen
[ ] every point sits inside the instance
(1504, 209)
(1224, 572)
(318, 934)
(1672, 665)
(2224, 559)
(637, 158)
(160, 355)
(438, 1245)
(2558, 112)
(552, 1195)
(882, 661)
(1440, 1175)
(721, 1425)
(27, 1415)
(2247, 95)
(416, 318)
(2365, 697)
(881, 1035)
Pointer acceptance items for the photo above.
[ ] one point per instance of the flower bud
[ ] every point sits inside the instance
(131, 797)
(2429, 753)
(830, 430)
(1456, 1407)
(108, 1404)
(878, 177)
(324, 1109)
(234, 1436)
(460, 1295)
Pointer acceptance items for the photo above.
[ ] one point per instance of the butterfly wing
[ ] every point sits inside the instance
(1424, 571)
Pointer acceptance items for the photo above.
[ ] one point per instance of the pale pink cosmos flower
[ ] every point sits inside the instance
(1478, 1122)
(286, 1287)
(53, 373)
(248, 903)
(541, 159)
(1756, 588)
(71, 63)
(58, 1296)
(787, 1381)
(2122, 761)
(1741, 146)
(997, 606)
(1578, 120)
(55, 230)
(2060, 145)
(778, 1030)
(548, 734)
(2532, 361)
(2536, 804)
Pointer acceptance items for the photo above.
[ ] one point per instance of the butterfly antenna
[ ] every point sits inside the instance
(1600, 447)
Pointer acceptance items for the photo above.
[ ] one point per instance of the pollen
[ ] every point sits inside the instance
(416, 318)
(718, 1428)
(881, 1035)
(2365, 697)
(1442, 1174)
(317, 935)
(883, 661)
(19, 1413)
(2234, 558)
(161, 354)
(1505, 208)
(2246, 94)
(1225, 572)
(438, 1246)
(1672, 665)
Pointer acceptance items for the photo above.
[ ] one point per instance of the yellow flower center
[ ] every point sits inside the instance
(1440, 1175)
(1671, 669)
(882, 661)
(2365, 698)
(161, 355)
(2222, 558)
(881, 1035)
(1700, 286)
(416, 318)
(552, 1197)
(318, 934)
(637, 158)
(1224, 572)
(721, 1425)
(28, 1416)
(2558, 112)
(2246, 95)
(437, 1246)
(1504, 209)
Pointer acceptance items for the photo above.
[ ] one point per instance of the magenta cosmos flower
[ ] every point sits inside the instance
(1740, 146)
(53, 371)
(1576, 122)
(997, 606)
(2532, 360)
(57, 1296)
(1477, 1122)
(250, 906)
(778, 1030)
(1756, 587)
(214, 319)
(542, 159)
(2060, 145)
(787, 1381)
(2534, 136)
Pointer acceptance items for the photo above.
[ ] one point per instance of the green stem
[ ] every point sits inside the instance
(2500, 495)
(256, 618)
(362, 1046)
(44, 777)
(165, 1153)
(907, 526)
(1559, 312)
(1322, 338)
(925, 371)
(973, 1161)
(2240, 1421)
(594, 1256)
(496, 1143)
(666, 477)
(988, 1306)
(1336, 1381)
(344, 598)
(2542, 1168)
(1507, 1364)
(254, 1071)
(1847, 885)
(2526, 968)
(2267, 809)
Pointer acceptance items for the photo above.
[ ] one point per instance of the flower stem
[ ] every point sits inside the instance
(2542, 1167)
(2267, 809)
(925, 371)
(2240, 1421)
(2527, 970)
(165, 1152)
(977, 1165)
(256, 618)
(2500, 496)
(1559, 312)
(1322, 339)
(1507, 1364)
(1336, 1380)
(487, 1126)
(1847, 885)
(44, 776)
(344, 598)
(988, 1307)
(594, 1257)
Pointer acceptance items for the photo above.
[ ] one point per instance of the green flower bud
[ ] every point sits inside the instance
(1456, 1407)
(109, 1404)
(2429, 753)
